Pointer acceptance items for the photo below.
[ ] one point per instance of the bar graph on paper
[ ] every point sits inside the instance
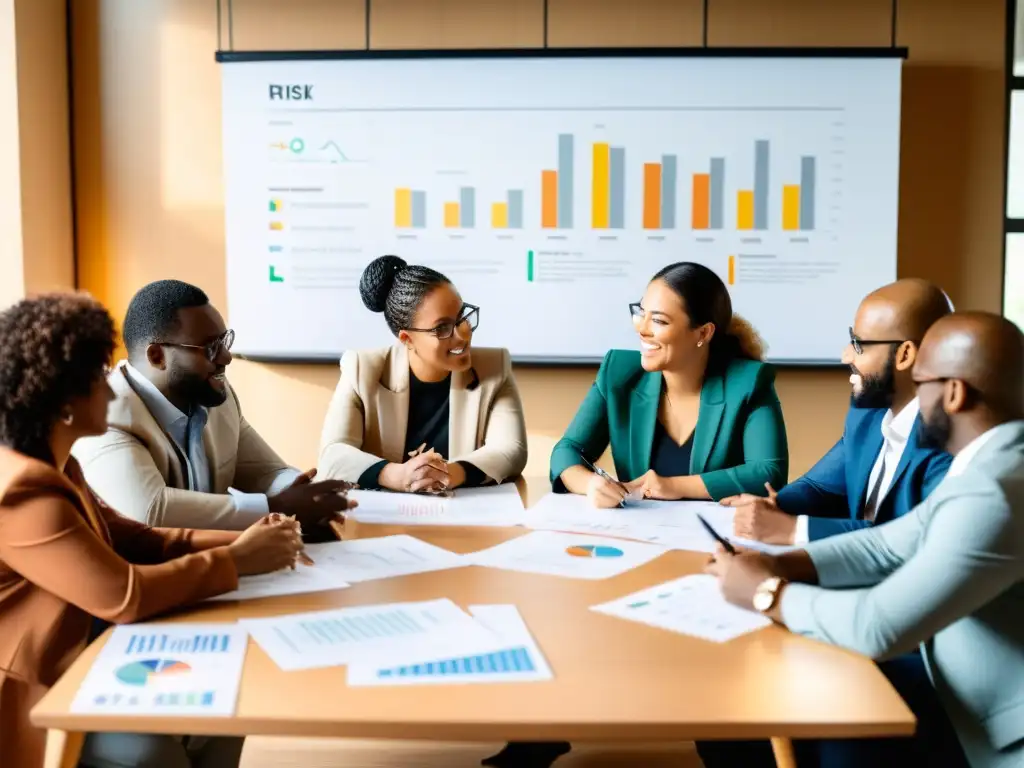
(611, 176)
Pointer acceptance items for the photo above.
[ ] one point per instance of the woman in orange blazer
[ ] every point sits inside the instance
(65, 557)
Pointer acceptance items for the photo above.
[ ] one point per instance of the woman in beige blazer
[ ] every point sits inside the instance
(66, 557)
(428, 413)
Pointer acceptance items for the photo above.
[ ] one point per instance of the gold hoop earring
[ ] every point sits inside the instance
(68, 418)
(700, 343)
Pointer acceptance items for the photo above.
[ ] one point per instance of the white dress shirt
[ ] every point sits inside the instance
(961, 461)
(186, 432)
(895, 435)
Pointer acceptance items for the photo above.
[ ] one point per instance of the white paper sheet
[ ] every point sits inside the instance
(381, 558)
(576, 556)
(496, 505)
(380, 635)
(305, 578)
(672, 524)
(692, 605)
(519, 660)
(165, 669)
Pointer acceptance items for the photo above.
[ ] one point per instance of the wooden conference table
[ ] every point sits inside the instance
(614, 680)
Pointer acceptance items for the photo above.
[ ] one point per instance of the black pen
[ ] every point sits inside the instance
(717, 537)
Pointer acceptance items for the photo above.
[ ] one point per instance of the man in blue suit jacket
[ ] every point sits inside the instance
(877, 471)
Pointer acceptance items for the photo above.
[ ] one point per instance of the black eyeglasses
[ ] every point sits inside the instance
(859, 343)
(211, 349)
(468, 315)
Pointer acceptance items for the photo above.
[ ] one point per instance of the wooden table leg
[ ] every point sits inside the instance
(63, 748)
(784, 755)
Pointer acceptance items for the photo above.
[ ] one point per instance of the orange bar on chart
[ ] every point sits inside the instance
(652, 195)
(403, 207)
(701, 200)
(499, 215)
(791, 206)
(732, 270)
(601, 191)
(549, 199)
(451, 214)
(745, 209)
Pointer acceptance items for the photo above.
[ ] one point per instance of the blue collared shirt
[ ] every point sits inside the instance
(186, 433)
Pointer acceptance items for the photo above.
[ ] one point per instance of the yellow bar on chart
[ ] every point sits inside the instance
(732, 270)
(499, 215)
(403, 207)
(745, 209)
(601, 186)
(791, 206)
(451, 214)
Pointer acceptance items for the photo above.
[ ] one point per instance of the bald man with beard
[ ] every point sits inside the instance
(947, 577)
(877, 471)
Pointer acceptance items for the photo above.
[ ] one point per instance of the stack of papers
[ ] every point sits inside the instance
(567, 554)
(304, 579)
(405, 643)
(671, 524)
(496, 505)
(520, 660)
(165, 669)
(692, 605)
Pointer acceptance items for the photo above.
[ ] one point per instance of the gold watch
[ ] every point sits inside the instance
(767, 593)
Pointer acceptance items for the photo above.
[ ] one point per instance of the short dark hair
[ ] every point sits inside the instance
(52, 350)
(391, 286)
(153, 311)
(707, 300)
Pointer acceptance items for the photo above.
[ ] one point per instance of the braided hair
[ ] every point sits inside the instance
(397, 289)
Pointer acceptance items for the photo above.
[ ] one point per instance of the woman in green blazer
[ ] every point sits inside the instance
(692, 415)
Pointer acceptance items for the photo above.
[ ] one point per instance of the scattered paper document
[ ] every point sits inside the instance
(573, 555)
(165, 669)
(495, 505)
(381, 558)
(519, 659)
(692, 605)
(303, 579)
(395, 634)
(671, 524)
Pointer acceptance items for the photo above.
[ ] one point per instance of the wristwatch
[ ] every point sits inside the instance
(767, 593)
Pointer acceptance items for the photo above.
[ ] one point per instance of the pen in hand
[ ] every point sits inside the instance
(601, 473)
(717, 536)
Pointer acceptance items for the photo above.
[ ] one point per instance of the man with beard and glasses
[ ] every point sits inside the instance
(876, 472)
(178, 453)
(947, 577)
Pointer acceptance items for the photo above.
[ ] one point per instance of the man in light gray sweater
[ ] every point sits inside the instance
(950, 574)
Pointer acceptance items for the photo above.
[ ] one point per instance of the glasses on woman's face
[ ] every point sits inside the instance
(469, 317)
(211, 349)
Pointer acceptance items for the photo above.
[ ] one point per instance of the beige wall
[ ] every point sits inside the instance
(35, 162)
(148, 164)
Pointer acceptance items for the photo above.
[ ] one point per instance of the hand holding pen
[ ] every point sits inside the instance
(603, 490)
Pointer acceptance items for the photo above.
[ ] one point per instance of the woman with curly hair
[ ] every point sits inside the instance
(692, 414)
(65, 557)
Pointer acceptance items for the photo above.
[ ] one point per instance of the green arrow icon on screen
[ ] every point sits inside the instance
(274, 277)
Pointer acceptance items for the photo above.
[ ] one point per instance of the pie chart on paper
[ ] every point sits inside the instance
(142, 672)
(593, 550)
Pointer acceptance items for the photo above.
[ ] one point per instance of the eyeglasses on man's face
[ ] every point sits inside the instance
(859, 343)
(469, 317)
(211, 349)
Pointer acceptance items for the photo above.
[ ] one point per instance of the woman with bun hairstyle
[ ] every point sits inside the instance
(429, 413)
(693, 414)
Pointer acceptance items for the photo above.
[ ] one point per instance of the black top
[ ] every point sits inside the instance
(669, 458)
(427, 425)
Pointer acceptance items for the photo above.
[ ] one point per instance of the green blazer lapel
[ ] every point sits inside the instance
(643, 415)
(709, 418)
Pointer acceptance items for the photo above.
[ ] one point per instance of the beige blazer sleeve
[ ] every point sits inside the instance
(341, 442)
(502, 452)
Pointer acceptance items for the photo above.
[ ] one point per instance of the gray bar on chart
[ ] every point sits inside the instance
(515, 209)
(717, 193)
(565, 171)
(668, 191)
(761, 184)
(806, 193)
(419, 208)
(617, 184)
(467, 207)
